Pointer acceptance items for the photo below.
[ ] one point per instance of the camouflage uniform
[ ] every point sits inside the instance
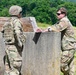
(13, 57)
(68, 45)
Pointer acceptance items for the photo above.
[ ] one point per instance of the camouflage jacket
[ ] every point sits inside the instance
(67, 33)
(20, 38)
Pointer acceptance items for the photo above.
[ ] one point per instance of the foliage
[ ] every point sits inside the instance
(43, 10)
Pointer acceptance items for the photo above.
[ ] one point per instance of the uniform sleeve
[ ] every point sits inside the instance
(18, 27)
(18, 32)
(62, 25)
(20, 37)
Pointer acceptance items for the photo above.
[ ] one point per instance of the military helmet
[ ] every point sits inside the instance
(15, 10)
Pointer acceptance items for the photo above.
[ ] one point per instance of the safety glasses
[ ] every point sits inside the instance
(58, 14)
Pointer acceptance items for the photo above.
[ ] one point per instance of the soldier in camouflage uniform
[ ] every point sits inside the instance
(13, 57)
(68, 43)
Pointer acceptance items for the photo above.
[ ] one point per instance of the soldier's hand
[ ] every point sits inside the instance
(48, 29)
(39, 30)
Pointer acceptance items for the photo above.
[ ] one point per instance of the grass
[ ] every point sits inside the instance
(44, 26)
(74, 31)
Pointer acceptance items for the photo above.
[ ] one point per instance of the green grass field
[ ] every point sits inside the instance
(44, 26)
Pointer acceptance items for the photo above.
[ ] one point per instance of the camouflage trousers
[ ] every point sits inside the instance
(12, 60)
(67, 62)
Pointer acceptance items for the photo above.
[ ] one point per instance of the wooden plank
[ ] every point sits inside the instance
(27, 26)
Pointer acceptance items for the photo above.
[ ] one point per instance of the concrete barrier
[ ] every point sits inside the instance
(41, 54)
(1, 55)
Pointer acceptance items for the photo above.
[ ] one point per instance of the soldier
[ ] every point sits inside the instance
(68, 43)
(13, 49)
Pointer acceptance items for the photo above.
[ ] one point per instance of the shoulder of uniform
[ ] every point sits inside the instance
(16, 21)
(65, 19)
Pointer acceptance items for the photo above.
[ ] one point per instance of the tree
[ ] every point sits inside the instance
(43, 10)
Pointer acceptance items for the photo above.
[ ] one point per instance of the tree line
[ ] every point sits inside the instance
(43, 10)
